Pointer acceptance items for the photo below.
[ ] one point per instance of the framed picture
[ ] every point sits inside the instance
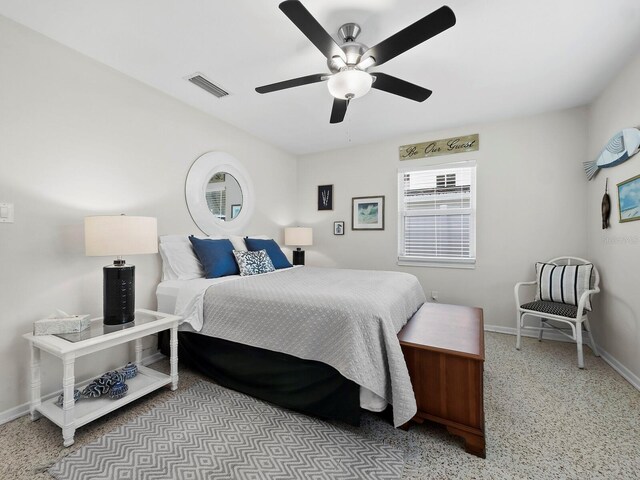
(629, 199)
(338, 228)
(218, 177)
(235, 210)
(325, 197)
(367, 213)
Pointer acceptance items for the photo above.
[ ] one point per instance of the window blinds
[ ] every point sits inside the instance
(217, 201)
(437, 214)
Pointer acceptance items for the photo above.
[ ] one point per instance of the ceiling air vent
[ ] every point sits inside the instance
(199, 80)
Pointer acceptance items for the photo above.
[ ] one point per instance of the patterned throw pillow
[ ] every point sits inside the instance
(253, 263)
(563, 283)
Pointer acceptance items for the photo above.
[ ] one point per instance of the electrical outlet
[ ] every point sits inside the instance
(6, 212)
(434, 295)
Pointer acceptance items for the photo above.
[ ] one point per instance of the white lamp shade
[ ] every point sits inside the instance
(349, 84)
(298, 236)
(116, 235)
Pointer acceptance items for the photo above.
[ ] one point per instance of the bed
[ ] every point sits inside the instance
(319, 340)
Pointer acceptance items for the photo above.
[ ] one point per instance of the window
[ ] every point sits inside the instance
(437, 215)
(217, 201)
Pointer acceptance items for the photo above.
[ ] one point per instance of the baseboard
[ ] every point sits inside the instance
(17, 412)
(627, 374)
(153, 358)
(20, 410)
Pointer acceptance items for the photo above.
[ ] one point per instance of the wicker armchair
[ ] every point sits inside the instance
(550, 311)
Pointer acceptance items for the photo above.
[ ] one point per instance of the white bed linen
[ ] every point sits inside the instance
(185, 298)
(188, 296)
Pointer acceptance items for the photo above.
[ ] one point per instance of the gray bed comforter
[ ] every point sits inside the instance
(348, 319)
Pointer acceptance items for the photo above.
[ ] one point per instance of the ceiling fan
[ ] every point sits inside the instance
(350, 61)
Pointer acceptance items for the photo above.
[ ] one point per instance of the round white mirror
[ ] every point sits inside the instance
(219, 194)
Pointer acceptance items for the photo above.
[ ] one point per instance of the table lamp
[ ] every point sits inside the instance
(118, 235)
(298, 236)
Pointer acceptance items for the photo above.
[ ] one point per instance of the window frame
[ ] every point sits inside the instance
(444, 262)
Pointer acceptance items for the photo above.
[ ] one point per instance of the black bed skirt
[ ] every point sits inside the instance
(307, 386)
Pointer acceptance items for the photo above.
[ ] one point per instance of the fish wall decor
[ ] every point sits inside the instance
(622, 146)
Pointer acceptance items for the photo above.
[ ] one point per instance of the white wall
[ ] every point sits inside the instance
(530, 206)
(78, 138)
(233, 197)
(616, 251)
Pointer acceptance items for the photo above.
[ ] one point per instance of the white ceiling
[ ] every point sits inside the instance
(504, 58)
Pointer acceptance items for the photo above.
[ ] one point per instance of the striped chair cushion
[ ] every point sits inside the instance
(563, 283)
(552, 308)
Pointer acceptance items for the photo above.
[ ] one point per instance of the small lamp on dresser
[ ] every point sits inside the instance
(298, 237)
(115, 236)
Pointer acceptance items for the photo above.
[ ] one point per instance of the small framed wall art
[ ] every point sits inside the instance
(338, 228)
(325, 197)
(235, 210)
(629, 199)
(367, 213)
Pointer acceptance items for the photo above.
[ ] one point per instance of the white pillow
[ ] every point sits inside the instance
(179, 261)
(177, 238)
(238, 243)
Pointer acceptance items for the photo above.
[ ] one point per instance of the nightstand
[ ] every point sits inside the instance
(97, 337)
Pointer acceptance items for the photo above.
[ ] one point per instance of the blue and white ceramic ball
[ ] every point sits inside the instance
(118, 390)
(130, 370)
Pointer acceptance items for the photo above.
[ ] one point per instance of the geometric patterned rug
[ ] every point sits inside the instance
(210, 432)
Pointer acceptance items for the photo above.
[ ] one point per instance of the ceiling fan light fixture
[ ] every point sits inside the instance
(349, 83)
(349, 61)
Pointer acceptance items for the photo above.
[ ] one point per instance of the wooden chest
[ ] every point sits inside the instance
(443, 346)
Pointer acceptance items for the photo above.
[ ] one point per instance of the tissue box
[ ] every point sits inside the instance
(69, 324)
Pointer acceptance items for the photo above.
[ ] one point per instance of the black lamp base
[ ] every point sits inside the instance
(298, 256)
(118, 294)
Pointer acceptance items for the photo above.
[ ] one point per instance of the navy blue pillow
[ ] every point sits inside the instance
(278, 258)
(216, 257)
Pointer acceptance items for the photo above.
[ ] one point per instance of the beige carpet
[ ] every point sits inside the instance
(544, 419)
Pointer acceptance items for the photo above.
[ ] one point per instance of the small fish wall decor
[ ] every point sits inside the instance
(622, 146)
(606, 206)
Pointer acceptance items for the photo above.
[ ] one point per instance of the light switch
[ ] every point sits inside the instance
(6, 212)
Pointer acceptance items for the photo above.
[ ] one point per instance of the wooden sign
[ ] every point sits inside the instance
(446, 146)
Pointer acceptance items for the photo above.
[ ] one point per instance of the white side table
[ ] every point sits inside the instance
(95, 338)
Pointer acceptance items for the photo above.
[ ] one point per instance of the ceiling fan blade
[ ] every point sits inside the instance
(416, 33)
(294, 82)
(308, 25)
(339, 110)
(394, 85)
